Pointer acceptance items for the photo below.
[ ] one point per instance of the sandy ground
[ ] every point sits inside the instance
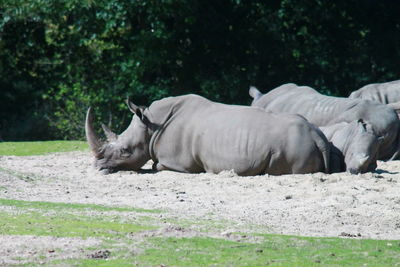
(361, 206)
(15, 250)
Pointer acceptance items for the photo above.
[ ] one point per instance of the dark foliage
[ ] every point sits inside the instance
(58, 57)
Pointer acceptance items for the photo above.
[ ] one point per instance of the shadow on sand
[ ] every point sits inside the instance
(380, 171)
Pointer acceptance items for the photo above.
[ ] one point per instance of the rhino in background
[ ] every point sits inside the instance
(355, 146)
(324, 110)
(192, 134)
(384, 93)
(396, 107)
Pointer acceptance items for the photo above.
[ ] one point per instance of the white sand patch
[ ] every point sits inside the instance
(312, 205)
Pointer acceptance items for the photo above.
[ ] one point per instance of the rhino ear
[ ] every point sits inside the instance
(111, 136)
(254, 93)
(138, 110)
(362, 124)
(365, 126)
(135, 109)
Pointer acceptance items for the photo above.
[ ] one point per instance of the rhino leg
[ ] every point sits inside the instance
(159, 167)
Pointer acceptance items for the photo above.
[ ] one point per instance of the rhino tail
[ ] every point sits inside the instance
(254, 93)
(326, 155)
(396, 155)
(324, 147)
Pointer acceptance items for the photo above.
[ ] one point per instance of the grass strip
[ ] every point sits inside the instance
(64, 225)
(68, 206)
(274, 250)
(40, 147)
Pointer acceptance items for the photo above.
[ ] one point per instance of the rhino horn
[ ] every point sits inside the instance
(111, 136)
(91, 136)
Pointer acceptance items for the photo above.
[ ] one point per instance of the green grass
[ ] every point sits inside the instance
(64, 225)
(69, 220)
(64, 220)
(39, 148)
(97, 262)
(274, 250)
(118, 235)
(110, 262)
(67, 206)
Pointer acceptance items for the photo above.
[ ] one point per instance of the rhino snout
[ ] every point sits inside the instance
(354, 171)
(107, 171)
(359, 164)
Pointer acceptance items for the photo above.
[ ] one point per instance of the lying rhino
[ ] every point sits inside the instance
(381, 92)
(396, 107)
(324, 110)
(192, 134)
(355, 146)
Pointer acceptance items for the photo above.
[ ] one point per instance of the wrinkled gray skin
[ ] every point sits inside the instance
(356, 147)
(127, 151)
(381, 92)
(324, 110)
(396, 107)
(192, 134)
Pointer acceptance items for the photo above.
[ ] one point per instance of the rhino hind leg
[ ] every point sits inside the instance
(311, 163)
(159, 167)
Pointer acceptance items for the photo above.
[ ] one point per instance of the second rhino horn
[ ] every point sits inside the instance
(111, 136)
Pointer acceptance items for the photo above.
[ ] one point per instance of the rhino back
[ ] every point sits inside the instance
(324, 110)
(381, 92)
(212, 137)
(262, 141)
(316, 108)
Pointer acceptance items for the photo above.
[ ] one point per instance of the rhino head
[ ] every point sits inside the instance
(127, 151)
(360, 147)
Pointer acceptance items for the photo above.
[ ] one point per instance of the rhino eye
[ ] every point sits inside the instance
(125, 152)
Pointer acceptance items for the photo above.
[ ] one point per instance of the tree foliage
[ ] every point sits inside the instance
(59, 57)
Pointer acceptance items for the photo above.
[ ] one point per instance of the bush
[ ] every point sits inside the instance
(58, 57)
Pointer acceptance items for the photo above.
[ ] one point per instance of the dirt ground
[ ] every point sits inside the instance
(362, 206)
